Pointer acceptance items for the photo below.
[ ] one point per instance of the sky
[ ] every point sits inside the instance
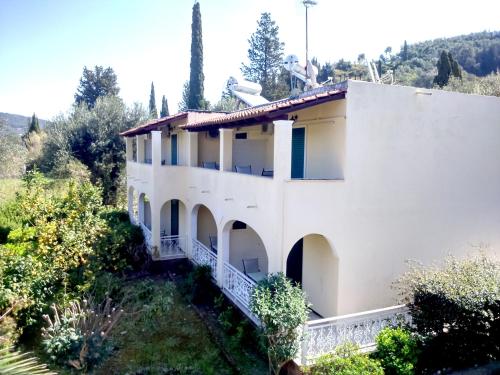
(44, 44)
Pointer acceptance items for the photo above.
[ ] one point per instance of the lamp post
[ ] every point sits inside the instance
(307, 4)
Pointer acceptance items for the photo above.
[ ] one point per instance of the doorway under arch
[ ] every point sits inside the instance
(313, 264)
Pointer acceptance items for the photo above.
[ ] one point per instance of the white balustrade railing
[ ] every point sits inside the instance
(147, 236)
(238, 286)
(202, 255)
(172, 247)
(322, 336)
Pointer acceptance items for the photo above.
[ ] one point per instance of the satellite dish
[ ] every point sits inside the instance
(290, 61)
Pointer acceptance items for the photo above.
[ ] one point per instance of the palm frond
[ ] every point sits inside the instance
(17, 363)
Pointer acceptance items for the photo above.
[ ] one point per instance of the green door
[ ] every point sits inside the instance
(298, 152)
(174, 217)
(173, 139)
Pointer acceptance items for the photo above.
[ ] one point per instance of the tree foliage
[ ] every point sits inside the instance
(153, 112)
(447, 67)
(265, 55)
(34, 126)
(164, 107)
(196, 98)
(470, 84)
(12, 153)
(96, 83)
(91, 136)
(281, 307)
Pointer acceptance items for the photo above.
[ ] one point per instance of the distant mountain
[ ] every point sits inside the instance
(19, 124)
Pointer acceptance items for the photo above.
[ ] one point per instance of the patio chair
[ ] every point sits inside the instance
(246, 169)
(267, 173)
(213, 243)
(250, 265)
(209, 165)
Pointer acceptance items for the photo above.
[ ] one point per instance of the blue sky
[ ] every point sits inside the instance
(44, 44)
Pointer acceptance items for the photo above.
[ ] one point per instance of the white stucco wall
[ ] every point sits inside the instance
(208, 148)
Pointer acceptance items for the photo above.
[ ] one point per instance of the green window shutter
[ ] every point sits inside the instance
(298, 152)
(173, 140)
(174, 217)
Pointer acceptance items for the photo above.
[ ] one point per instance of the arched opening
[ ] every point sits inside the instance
(312, 263)
(173, 218)
(206, 228)
(144, 211)
(247, 252)
(133, 205)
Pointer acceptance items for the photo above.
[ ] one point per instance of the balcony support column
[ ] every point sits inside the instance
(226, 150)
(130, 148)
(192, 149)
(155, 196)
(140, 140)
(222, 254)
(282, 150)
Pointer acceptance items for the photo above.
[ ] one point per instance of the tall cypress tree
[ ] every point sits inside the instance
(164, 107)
(153, 112)
(34, 125)
(447, 66)
(196, 78)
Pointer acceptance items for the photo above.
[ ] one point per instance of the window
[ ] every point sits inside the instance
(239, 225)
(240, 136)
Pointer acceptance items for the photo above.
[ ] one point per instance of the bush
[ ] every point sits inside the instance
(346, 360)
(456, 312)
(76, 335)
(281, 307)
(198, 285)
(397, 351)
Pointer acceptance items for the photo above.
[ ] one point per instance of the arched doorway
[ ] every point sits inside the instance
(133, 205)
(312, 263)
(144, 211)
(247, 252)
(206, 227)
(173, 218)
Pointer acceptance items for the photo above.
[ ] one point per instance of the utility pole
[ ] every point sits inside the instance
(307, 4)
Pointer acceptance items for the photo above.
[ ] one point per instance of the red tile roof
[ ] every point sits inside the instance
(266, 112)
(153, 124)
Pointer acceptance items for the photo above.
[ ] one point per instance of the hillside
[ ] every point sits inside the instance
(477, 53)
(18, 123)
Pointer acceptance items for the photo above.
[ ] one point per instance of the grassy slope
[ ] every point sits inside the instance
(8, 188)
(174, 338)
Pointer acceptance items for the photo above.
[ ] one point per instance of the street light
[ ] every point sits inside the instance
(308, 4)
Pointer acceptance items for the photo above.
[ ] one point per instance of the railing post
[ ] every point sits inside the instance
(222, 255)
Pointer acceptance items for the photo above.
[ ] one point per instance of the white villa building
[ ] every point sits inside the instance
(337, 188)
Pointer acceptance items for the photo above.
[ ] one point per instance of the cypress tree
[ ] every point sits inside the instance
(164, 107)
(196, 78)
(153, 112)
(34, 125)
(404, 55)
(446, 66)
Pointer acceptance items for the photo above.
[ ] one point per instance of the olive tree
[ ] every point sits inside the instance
(281, 308)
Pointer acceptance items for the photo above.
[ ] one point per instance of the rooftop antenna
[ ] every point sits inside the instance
(308, 4)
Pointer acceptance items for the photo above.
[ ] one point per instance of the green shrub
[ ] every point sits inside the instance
(397, 351)
(164, 370)
(198, 285)
(346, 360)
(281, 307)
(456, 312)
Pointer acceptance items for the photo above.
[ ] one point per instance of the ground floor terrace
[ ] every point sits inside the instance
(240, 255)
